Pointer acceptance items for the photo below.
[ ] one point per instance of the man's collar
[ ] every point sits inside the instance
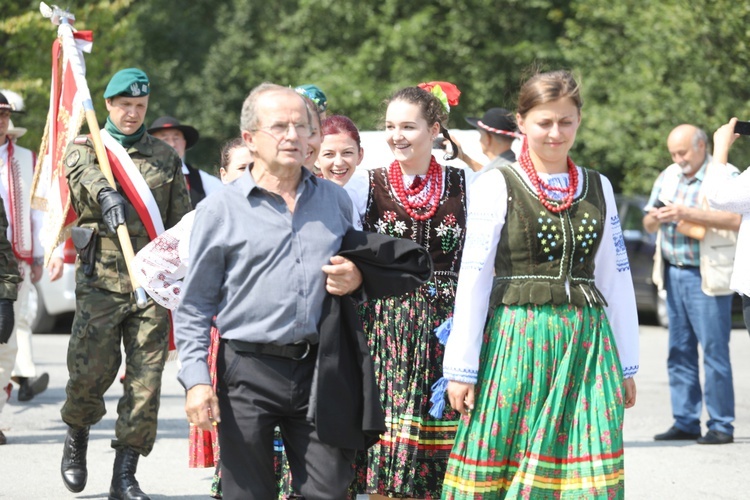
(508, 154)
(144, 145)
(701, 173)
(246, 182)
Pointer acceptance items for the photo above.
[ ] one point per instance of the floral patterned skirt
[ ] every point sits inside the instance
(411, 457)
(548, 412)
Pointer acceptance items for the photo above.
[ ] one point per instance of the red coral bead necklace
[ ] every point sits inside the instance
(542, 187)
(433, 181)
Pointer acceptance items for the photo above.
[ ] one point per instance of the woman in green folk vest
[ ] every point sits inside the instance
(544, 341)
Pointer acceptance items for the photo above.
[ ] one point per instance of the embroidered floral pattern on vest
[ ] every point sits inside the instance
(549, 234)
(449, 233)
(442, 234)
(587, 233)
(389, 224)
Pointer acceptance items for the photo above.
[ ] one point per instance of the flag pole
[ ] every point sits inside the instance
(65, 30)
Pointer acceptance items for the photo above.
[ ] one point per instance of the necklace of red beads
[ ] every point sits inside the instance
(542, 187)
(432, 181)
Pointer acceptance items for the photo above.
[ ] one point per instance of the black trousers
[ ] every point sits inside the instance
(746, 311)
(257, 393)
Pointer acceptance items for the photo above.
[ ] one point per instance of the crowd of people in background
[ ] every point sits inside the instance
(413, 330)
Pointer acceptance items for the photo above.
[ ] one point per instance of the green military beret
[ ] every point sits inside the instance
(130, 82)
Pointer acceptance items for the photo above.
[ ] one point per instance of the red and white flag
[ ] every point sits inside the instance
(66, 115)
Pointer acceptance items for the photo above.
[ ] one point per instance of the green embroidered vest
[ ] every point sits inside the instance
(539, 251)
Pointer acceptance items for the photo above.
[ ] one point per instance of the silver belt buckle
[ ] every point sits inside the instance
(307, 350)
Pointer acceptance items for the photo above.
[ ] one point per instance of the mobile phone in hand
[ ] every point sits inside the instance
(742, 128)
(657, 204)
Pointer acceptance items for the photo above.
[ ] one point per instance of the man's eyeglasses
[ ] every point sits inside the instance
(280, 130)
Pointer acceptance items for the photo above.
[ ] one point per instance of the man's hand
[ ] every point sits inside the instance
(461, 155)
(673, 212)
(629, 392)
(55, 268)
(724, 137)
(113, 208)
(461, 396)
(7, 320)
(343, 276)
(202, 407)
(36, 272)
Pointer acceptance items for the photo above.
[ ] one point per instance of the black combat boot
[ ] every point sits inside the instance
(73, 467)
(124, 486)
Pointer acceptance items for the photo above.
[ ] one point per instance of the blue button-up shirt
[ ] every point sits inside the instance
(677, 248)
(257, 267)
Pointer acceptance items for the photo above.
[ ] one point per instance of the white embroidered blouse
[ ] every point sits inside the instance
(161, 265)
(486, 215)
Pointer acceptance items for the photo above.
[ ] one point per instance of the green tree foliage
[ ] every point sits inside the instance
(645, 66)
(649, 66)
(359, 52)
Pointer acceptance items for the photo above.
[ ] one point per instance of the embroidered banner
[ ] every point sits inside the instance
(64, 119)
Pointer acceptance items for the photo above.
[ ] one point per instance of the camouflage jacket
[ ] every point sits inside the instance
(162, 170)
(9, 277)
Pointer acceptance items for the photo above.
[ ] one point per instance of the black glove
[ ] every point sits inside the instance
(7, 320)
(113, 208)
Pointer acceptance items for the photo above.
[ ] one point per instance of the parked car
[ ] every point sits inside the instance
(640, 246)
(49, 300)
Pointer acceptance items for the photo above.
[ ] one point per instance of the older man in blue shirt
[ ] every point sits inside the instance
(262, 263)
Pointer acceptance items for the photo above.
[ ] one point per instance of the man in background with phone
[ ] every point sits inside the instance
(693, 262)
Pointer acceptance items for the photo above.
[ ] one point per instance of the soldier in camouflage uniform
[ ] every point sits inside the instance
(9, 279)
(106, 312)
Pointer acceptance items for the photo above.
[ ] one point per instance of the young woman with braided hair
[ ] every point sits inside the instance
(416, 198)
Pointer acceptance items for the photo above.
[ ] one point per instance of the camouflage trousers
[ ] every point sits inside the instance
(102, 321)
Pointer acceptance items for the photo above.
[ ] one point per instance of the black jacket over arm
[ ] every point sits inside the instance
(345, 399)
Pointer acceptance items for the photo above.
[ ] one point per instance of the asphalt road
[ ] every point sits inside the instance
(30, 462)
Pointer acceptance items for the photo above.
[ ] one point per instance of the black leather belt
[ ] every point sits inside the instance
(680, 265)
(297, 351)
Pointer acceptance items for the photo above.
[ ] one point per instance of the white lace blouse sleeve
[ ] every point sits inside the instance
(613, 279)
(161, 265)
(487, 206)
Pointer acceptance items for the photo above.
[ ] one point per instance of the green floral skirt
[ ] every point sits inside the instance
(548, 412)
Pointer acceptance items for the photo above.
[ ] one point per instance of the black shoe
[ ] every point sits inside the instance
(124, 485)
(675, 434)
(716, 437)
(30, 387)
(3, 440)
(73, 466)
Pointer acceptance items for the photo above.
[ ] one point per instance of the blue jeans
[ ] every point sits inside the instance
(694, 318)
